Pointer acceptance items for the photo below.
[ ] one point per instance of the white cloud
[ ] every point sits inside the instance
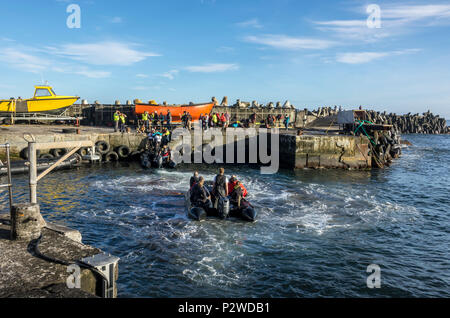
(356, 33)
(84, 71)
(253, 23)
(395, 20)
(103, 53)
(365, 57)
(141, 75)
(359, 57)
(343, 23)
(290, 43)
(21, 58)
(7, 39)
(116, 20)
(23, 61)
(170, 74)
(416, 12)
(93, 74)
(212, 68)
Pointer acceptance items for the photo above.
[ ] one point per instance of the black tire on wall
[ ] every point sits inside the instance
(46, 156)
(135, 155)
(111, 156)
(102, 147)
(78, 158)
(123, 151)
(24, 153)
(59, 152)
(83, 151)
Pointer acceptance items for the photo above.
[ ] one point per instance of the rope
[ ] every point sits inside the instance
(367, 135)
(371, 144)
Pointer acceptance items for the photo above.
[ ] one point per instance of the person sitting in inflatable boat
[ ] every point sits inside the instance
(232, 183)
(200, 196)
(237, 195)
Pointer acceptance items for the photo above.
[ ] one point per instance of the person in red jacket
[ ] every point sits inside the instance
(223, 120)
(232, 184)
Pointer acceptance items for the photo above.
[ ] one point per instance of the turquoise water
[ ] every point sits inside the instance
(316, 234)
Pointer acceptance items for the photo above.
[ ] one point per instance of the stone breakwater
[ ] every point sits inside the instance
(427, 123)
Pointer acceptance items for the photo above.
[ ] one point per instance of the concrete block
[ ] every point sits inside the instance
(26, 222)
(72, 234)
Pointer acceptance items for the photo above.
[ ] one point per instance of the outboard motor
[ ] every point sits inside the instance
(223, 207)
(248, 214)
(197, 213)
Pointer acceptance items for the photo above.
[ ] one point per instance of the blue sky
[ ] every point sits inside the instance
(313, 53)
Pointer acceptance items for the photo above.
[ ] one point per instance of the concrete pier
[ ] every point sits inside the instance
(30, 272)
(14, 135)
(311, 150)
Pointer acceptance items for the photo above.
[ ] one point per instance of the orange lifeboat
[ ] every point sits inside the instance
(176, 110)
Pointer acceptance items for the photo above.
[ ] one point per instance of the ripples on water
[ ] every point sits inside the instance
(316, 233)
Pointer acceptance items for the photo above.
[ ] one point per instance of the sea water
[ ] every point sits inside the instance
(316, 234)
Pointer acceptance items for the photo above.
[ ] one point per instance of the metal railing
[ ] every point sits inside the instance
(8, 166)
(32, 158)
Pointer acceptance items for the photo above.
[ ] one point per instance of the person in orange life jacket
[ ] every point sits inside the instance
(232, 184)
(237, 195)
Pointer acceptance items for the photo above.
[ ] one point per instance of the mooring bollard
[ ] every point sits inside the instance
(26, 222)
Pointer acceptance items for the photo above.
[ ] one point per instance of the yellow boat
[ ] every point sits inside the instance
(44, 101)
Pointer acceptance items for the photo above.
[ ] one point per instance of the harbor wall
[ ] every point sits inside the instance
(296, 152)
(320, 151)
(306, 151)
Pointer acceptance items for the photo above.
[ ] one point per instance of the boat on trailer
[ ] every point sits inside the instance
(44, 101)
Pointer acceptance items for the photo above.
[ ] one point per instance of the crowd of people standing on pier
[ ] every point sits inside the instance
(149, 121)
